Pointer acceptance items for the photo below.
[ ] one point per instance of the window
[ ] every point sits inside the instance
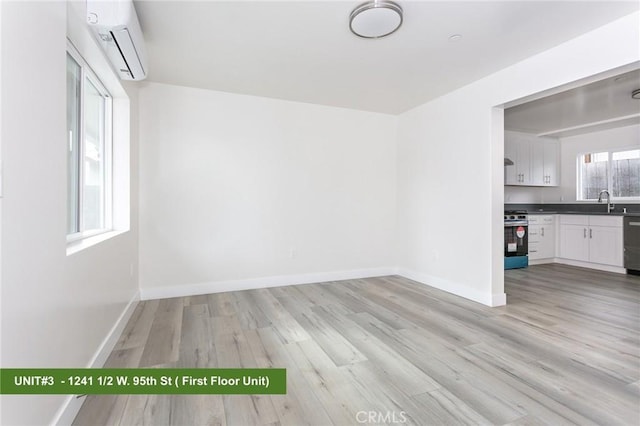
(89, 145)
(616, 171)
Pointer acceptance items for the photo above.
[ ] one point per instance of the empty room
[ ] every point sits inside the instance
(319, 212)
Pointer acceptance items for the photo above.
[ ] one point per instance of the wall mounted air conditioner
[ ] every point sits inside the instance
(118, 32)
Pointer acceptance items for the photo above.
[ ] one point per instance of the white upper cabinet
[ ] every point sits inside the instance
(551, 162)
(518, 150)
(535, 160)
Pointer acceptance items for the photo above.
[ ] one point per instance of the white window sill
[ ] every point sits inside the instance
(74, 247)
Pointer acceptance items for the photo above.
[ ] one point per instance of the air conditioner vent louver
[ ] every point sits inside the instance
(118, 32)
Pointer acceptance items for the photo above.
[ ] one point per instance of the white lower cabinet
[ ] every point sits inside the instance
(606, 245)
(594, 239)
(542, 237)
(573, 242)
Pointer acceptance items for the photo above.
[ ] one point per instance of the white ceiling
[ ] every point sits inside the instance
(304, 51)
(600, 105)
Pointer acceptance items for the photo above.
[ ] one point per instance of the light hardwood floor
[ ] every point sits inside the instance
(566, 350)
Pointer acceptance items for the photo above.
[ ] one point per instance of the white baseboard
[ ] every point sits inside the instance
(492, 300)
(72, 404)
(606, 268)
(498, 299)
(264, 282)
(570, 262)
(541, 261)
(69, 410)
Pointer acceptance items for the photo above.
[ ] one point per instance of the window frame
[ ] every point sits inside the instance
(610, 152)
(86, 73)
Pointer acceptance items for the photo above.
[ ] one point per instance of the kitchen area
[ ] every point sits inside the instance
(572, 178)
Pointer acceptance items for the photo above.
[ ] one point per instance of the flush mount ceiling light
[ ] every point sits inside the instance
(375, 19)
(635, 94)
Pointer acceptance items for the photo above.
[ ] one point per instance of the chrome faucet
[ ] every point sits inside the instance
(609, 205)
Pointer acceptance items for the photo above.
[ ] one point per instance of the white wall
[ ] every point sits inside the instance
(1, 187)
(57, 310)
(531, 195)
(450, 163)
(257, 177)
(236, 190)
(570, 147)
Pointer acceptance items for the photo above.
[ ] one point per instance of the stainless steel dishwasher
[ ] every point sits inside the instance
(632, 244)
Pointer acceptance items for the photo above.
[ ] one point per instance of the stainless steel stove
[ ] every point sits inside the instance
(516, 239)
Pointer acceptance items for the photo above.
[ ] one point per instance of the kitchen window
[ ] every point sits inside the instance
(89, 151)
(617, 171)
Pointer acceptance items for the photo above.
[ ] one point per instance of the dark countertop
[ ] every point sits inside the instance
(577, 208)
(587, 213)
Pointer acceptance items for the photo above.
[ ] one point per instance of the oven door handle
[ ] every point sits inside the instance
(518, 223)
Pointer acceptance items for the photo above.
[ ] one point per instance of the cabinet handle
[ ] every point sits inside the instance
(590, 233)
(585, 233)
(542, 229)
